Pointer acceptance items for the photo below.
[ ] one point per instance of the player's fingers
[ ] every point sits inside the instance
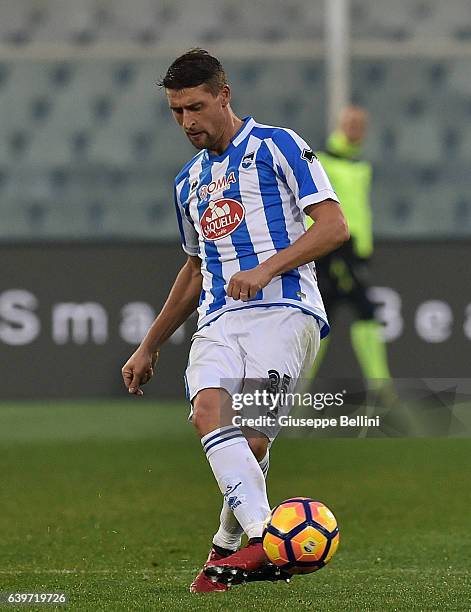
(245, 292)
(147, 376)
(134, 384)
(235, 293)
(127, 377)
(253, 291)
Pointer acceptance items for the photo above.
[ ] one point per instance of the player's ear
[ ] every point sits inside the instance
(225, 95)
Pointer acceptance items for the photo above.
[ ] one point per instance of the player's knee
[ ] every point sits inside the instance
(201, 417)
(212, 408)
(208, 413)
(258, 446)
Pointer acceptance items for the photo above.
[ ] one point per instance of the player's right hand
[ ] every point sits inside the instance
(139, 369)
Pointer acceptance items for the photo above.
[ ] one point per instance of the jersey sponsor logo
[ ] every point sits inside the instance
(219, 184)
(221, 218)
(308, 155)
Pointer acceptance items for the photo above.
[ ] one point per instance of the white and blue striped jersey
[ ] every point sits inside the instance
(238, 209)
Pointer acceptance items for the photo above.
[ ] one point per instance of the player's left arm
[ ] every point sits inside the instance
(298, 167)
(329, 231)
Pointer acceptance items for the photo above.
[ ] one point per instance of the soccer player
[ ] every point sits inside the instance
(342, 273)
(240, 205)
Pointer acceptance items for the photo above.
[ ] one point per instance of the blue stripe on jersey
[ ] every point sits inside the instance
(184, 175)
(185, 171)
(179, 217)
(281, 174)
(185, 192)
(272, 203)
(263, 132)
(300, 167)
(241, 240)
(274, 214)
(213, 259)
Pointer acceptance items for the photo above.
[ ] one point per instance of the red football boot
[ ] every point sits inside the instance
(235, 568)
(205, 584)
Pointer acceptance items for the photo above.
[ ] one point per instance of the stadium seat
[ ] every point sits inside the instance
(76, 22)
(411, 20)
(146, 22)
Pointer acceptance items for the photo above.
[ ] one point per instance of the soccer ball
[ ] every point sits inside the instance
(300, 536)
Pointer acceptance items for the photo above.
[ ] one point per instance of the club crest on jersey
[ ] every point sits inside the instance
(247, 160)
(221, 218)
(219, 184)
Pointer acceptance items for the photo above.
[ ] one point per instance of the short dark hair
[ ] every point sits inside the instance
(193, 68)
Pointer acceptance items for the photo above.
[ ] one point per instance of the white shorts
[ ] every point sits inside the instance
(253, 344)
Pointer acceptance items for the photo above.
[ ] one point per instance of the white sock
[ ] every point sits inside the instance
(229, 534)
(239, 477)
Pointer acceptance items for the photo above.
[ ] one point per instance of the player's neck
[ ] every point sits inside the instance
(233, 125)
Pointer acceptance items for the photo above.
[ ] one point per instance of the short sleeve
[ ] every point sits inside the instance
(299, 167)
(188, 233)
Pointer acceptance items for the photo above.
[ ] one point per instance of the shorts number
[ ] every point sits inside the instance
(278, 385)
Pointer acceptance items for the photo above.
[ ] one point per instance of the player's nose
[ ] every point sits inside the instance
(188, 121)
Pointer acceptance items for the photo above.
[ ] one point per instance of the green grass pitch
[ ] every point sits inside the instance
(114, 503)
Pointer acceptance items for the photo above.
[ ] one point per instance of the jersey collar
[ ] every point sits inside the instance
(235, 141)
(244, 131)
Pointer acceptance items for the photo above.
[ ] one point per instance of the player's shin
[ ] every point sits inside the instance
(230, 532)
(239, 476)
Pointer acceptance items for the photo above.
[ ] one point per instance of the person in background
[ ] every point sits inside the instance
(343, 274)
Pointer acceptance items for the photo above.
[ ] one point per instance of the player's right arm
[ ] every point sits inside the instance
(181, 302)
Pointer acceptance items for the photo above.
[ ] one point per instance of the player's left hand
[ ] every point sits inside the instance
(246, 284)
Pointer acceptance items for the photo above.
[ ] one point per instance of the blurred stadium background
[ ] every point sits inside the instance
(88, 152)
(88, 148)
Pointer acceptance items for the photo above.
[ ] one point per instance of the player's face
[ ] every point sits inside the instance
(200, 113)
